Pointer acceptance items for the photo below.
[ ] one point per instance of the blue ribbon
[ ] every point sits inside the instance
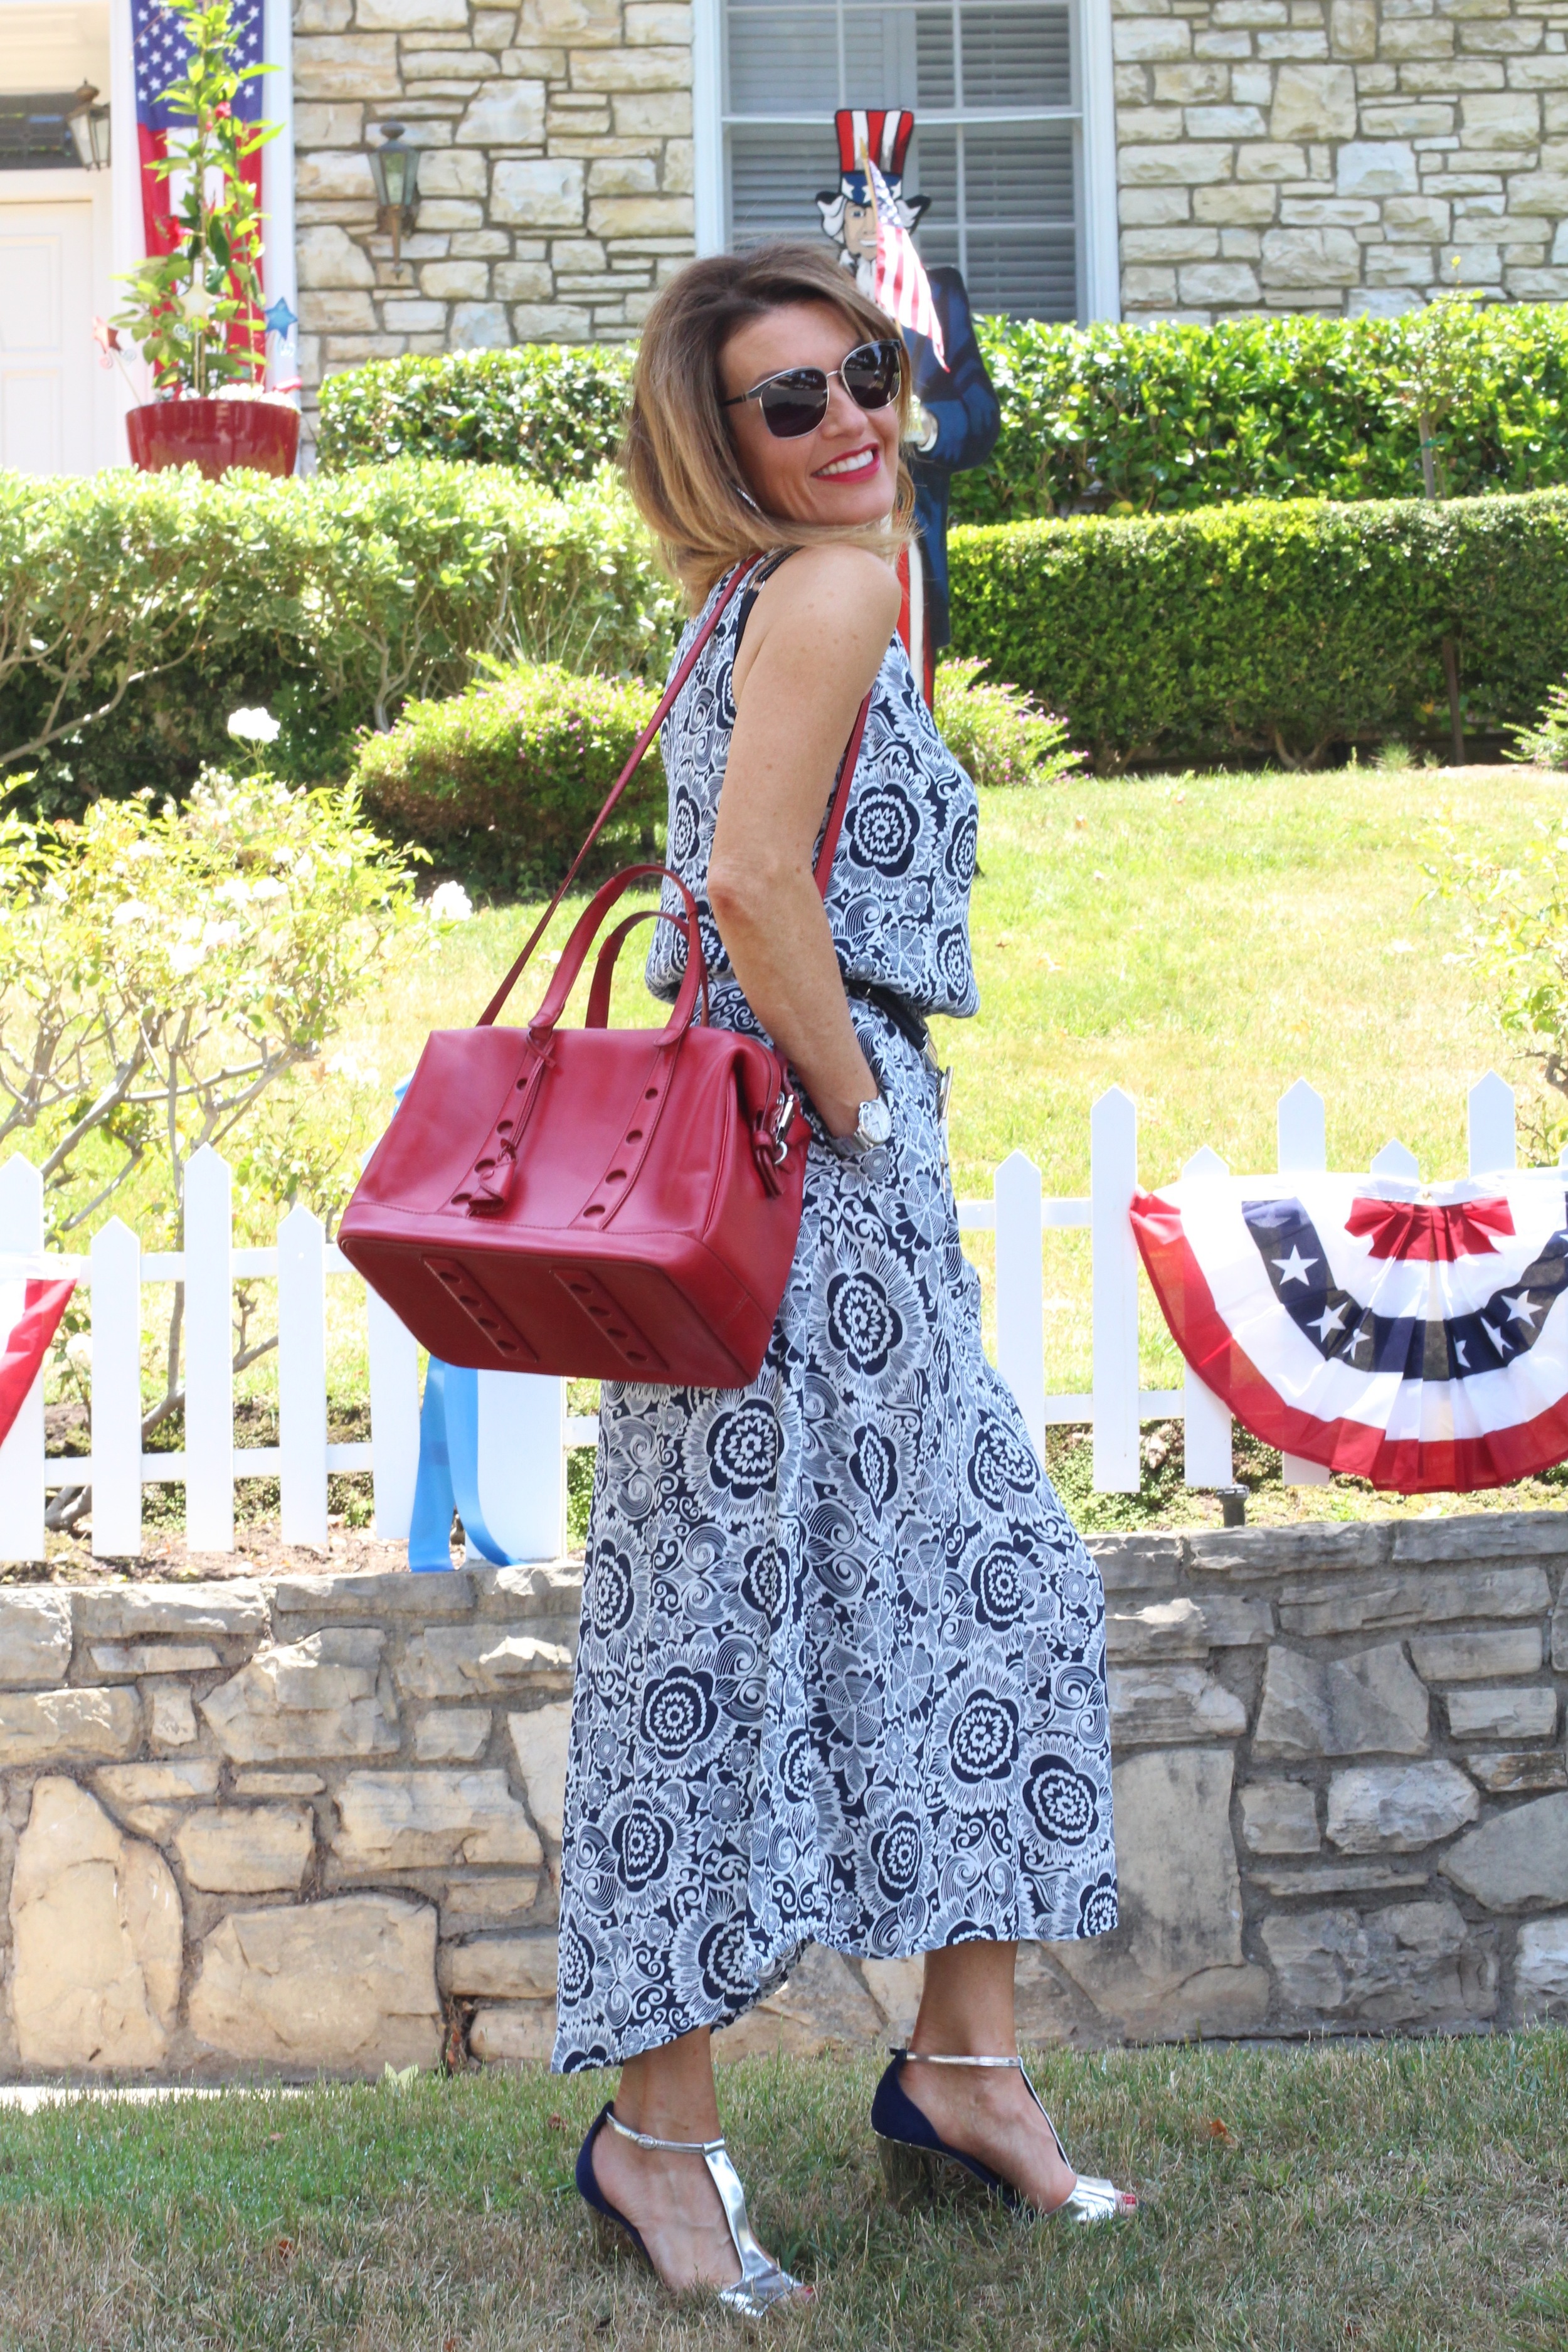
(449, 1476)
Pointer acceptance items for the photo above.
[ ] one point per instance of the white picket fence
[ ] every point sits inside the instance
(524, 1431)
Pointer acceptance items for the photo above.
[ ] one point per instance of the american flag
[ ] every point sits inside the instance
(900, 285)
(31, 1306)
(160, 51)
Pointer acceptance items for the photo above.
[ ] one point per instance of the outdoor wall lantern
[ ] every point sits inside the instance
(87, 123)
(395, 171)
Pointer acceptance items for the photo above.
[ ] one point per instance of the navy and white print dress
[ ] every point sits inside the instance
(842, 1674)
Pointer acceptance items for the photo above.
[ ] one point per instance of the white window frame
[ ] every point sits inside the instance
(1092, 116)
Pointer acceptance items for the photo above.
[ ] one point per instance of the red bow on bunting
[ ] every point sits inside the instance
(1419, 1229)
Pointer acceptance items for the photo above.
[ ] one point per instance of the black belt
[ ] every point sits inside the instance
(909, 1023)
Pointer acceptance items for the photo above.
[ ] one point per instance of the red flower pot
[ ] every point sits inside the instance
(213, 434)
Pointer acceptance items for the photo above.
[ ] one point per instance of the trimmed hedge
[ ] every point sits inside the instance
(553, 410)
(1135, 419)
(504, 780)
(138, 609)
(1166, 418)
(1273, 627)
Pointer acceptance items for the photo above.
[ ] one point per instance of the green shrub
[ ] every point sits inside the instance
(1161, 418)
(138, 609)
(1132, 419)
(504, 780)
(160, 970)
(997, 731)
(553, 410)
(1281, 628)
(1546, 741)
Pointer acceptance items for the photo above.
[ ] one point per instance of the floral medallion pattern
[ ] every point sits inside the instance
(842, 1672)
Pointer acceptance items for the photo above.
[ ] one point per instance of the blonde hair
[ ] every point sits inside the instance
(679, 461)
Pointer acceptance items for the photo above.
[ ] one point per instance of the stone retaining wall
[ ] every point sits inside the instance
(314, 1822)
(1339, 155)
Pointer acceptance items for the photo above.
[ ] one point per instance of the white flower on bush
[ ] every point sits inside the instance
(450, 903)
(254, 726)
(131, 910)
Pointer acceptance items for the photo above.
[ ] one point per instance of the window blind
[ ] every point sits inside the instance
(996, 140)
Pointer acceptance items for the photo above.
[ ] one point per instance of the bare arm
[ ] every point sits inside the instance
(814, 642)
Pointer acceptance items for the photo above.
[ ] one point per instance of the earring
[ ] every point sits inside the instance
(744, 494)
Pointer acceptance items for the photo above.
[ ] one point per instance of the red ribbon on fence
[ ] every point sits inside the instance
(1418, 1229)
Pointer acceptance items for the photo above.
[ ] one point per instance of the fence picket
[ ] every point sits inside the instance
(302, 1377)
(1114, 1179)
(116, 1259)
(209, 1355)
(22, 1455)
(393, 1418)
(1301, 1128)
(1303, 1138)
(522, 1462)
(1396, 1160)
(1493, 1134)
(1208, 1450)
(1020, 1291)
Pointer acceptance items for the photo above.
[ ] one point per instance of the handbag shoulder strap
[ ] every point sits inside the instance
(737, 579)
(823, 864)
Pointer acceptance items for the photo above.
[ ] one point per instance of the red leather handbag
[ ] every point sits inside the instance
(610, 1203)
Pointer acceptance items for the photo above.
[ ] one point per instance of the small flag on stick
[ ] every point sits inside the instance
(900, 285)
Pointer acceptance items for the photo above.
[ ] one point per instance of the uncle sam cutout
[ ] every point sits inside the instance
(956, 418)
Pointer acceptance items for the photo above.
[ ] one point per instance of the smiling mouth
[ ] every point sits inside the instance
(859, 462)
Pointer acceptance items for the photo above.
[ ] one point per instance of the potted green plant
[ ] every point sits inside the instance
(196, 313)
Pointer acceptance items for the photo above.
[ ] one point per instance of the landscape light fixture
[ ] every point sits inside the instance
(395, 171)
(87, 123)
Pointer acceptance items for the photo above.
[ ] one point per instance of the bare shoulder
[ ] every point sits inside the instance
(837, 583)
(829, 610)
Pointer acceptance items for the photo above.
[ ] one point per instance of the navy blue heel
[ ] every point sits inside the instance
(607, 2218)
(919, 2165)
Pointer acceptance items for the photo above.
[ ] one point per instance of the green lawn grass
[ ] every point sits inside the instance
(1394, 2197)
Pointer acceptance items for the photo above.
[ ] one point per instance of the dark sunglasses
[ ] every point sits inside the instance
(794, 402)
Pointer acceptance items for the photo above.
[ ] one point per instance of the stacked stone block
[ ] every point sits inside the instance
(1339, 155)
(314, 1825)
(555, 171)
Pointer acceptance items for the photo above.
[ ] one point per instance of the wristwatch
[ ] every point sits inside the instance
(872, 1129)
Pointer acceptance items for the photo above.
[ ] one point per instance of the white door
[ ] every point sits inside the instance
(48, 360)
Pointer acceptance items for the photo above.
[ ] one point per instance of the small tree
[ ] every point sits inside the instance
(1514, 939)
(160, 970)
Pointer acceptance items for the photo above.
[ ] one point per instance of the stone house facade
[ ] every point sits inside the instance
(1082, 159)
(1149, 159)
(1339, 155)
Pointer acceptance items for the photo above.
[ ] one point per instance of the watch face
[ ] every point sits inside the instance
(875, 1121)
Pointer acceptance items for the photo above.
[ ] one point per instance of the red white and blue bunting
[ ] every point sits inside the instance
(1413, 1336)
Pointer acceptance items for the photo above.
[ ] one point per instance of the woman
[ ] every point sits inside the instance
(842, 1665)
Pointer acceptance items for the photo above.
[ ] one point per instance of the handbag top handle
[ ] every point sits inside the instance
(823, 864)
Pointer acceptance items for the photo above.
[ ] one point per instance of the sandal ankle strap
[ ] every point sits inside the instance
(673, 2147)
(949, 2058)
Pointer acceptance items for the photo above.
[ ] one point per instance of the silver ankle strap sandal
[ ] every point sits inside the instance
(761, 2282)
(915, 2157)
